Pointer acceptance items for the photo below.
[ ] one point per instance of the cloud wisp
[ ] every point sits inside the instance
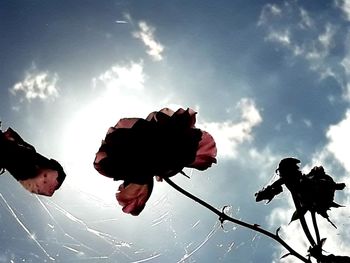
(306, 35)
(42, 86)
(146, 34)
(229, 135)
(315, 48)
(131, 77)
(344, 5)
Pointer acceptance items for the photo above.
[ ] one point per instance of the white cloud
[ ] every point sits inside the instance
(305, 37)
(339, 143)
(228, 135)
(320, 48)
(146, 34)
(305, 21)
(344, 5)
(308, 123)
(130, 77)
(265, 161)
(282, 38)
(267, 12)
(345, 63)
(326, 38)
(316, 44)
(40, 85)
(314, 50)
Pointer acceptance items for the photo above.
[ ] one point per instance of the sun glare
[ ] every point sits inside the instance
(120, 93)
(84, 132)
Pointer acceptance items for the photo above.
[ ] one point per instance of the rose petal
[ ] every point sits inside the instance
(100, 155)
(206, 152)
(133, 197)
(154, 115)
(167, 111)
(126, 123)
(180, 111)
(45, 183)
(192, 116)
(151, 115)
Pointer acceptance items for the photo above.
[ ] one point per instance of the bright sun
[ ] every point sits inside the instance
(123, 96)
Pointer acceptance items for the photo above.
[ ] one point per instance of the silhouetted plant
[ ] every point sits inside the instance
(135, 150)
(313, 192)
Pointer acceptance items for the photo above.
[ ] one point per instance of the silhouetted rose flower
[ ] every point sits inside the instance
(317, 191)
(314, 191)
(135, 150)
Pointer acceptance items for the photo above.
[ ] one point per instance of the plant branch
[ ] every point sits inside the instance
(223, 217)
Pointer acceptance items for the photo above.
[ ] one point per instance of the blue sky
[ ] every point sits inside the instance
(269, 79)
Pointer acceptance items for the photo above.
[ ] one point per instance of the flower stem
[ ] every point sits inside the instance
(302, 220)
(314, 221)
(223, 217)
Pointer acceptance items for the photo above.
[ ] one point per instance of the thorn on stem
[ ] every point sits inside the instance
(221, 218)
(183, 173)
(277, 231)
